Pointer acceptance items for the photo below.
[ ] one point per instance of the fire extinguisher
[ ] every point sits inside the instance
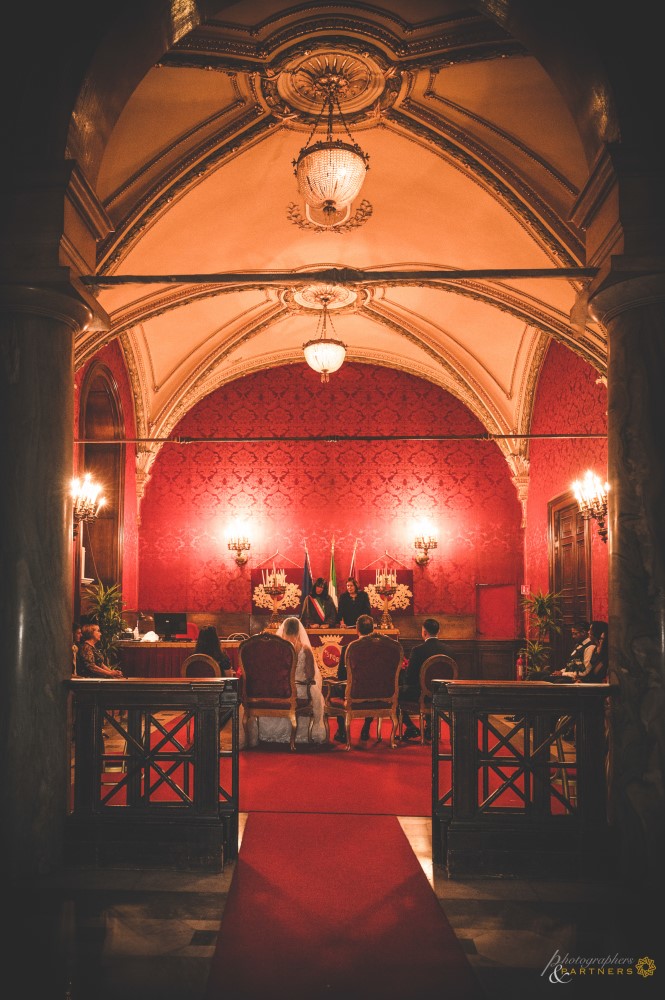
(520, 668)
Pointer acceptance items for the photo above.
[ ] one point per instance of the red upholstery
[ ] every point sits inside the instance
(435, 668)
(269, 688)
(373, 666)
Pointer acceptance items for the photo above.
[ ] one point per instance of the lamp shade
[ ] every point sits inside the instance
(324, 355)
(330, 174)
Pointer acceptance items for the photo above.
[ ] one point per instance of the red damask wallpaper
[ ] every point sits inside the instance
(292, 493)
(568, 400)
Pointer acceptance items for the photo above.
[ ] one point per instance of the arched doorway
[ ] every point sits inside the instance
(101, 421)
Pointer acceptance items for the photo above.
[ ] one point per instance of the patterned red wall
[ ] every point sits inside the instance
(294, 492)
(568, 400)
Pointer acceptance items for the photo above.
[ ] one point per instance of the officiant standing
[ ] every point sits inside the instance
(318, 608)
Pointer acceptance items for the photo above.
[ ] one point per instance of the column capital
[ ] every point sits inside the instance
(60, 305)
(630, 283)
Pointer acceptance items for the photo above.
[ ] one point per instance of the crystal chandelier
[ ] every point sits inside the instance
(324, 354)
(330, 172)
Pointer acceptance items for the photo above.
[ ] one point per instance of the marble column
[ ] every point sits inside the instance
(632, 309)
(37, 328)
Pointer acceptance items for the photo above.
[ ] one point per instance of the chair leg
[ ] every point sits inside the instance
(393, 731)
(347, 720)
(422, 729)
(378, 729)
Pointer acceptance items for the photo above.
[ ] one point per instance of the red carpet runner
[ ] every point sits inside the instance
(371, 778)
(330, 906)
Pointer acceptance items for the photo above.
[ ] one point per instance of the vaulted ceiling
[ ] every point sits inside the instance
(475, 165)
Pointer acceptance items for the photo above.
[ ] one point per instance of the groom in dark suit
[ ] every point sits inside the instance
(410, 681)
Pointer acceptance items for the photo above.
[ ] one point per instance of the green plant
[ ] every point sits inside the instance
(104, 607)
(544, 616)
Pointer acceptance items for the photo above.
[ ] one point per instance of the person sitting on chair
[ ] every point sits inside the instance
(364, 627)
(208, 642)
(89, 660)
(308, 678)
(409, 689)
(318, 608)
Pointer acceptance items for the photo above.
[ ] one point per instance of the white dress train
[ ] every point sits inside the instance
(279, 730)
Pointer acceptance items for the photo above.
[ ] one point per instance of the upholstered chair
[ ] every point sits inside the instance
(373, 665)
(435, 668)
(200, 665)
(269, 683)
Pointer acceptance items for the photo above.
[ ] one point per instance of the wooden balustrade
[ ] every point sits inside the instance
(519, 780)
(155, 773)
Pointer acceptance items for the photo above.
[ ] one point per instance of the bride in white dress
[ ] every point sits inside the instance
(279, 730)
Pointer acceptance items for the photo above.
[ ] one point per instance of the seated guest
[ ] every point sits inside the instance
(318, 608)
(364, 627)
(599, 663)
(410, 681)
(208, 642)
(352, 604)
(77, 635)
(279, 730)
(582, 649)
(89, 660)
(588, 661)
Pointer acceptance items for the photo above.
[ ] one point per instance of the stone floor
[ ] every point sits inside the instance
(138, 935)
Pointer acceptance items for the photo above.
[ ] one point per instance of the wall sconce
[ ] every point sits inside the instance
(239, 544)
(87, 501)
(591, 495)
(422, 545)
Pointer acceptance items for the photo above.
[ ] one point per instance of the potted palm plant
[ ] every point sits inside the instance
(104, 607)
(544, 616)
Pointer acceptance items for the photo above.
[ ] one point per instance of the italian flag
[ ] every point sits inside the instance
(332, 582)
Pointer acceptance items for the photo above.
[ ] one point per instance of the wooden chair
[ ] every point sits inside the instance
(435, 668)
(269, 683)
(200, 665)
(371, 690)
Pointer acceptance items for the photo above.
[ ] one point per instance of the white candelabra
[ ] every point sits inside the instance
(274, 584)
(386, 586)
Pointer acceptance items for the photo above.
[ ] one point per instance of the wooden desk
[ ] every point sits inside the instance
(163, 659)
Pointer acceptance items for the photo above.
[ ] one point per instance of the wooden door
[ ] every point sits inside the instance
(570, 568)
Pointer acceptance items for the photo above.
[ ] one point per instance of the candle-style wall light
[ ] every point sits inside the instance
(423, 544)
(240, 544)
(87, 500)
(591, 495)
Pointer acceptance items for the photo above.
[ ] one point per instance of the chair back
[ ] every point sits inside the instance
(269, 668)
(373, 664)
(200, 665)
(435, 668)
(238, 636)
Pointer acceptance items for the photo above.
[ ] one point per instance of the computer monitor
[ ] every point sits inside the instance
(170, 623)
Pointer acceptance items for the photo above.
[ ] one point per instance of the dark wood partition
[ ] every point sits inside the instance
(155, 773)
(519, 780)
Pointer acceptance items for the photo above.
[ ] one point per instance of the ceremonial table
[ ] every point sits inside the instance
(327, 645)
(163, 659)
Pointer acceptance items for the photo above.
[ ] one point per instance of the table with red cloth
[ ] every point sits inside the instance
(163, 659)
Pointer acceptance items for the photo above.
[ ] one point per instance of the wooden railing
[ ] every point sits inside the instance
(155, 773)
(519, 780)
